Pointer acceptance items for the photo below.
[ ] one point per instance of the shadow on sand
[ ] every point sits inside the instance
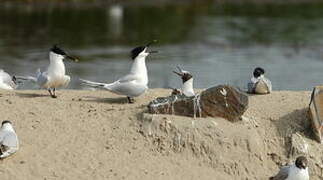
(118, 100)
(31, 95)
(294, 122)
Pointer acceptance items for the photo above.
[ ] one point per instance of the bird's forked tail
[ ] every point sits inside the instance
(92, 84)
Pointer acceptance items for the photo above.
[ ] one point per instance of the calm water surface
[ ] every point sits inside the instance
(218, 43)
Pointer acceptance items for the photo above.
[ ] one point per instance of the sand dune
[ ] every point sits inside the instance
(97, 135)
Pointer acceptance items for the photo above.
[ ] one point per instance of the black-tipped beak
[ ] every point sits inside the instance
(71, 58)
(180, 69)
(178, 73)
(150, 43)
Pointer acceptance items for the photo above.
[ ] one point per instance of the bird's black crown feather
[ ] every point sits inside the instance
(258, 72)
(136, 51)
(4, 122)
(57, 50)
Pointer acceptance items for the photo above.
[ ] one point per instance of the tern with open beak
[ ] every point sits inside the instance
(187, 78)
(135, 82)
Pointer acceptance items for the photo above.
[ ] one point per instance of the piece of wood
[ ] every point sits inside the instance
(316, 112)
(220, 101)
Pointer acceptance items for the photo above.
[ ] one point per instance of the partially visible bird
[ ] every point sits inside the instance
(133, 84)
(296, 171)
(7, 82)
(187, 78)
(258, 83)
(8, 140)
(55, 76)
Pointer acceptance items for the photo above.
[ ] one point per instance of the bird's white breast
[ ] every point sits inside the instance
(187, 88)
(56, 71)
(298, 174)
(56, 68)
(140, 70)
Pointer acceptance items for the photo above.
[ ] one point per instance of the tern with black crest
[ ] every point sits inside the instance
(259, 84)
(8, 140)
(297, 171)
(133, 84)
(55, 76)
(187, 78)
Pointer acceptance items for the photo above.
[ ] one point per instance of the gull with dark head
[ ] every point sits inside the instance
(55, 76)
(8, 140)
(187, 78)
(259, 84)
(296, 171)
(7, 82)
(135, 82)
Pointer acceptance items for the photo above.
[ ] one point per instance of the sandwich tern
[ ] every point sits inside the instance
(55, 76)
(133, 84)
(7, 82)
(297, 171)
(8, 140)
(187, 78)
(258, 83)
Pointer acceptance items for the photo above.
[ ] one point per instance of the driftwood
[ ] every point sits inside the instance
(316, 112)
(220, 101)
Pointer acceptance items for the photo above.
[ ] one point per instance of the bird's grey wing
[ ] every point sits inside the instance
(251, 87)
(268, 82)
(9, 144)
(30, 78)
(26, 78)
(42, 79)
(282, 174)
(128, 78)
(10, 139)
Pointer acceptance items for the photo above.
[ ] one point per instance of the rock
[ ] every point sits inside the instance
(275, 158)
(298, 146)
(316, 112)
(220, 101)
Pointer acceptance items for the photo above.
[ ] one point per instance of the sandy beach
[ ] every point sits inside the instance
(97, 135)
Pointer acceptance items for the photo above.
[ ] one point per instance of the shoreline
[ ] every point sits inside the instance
(40, 4)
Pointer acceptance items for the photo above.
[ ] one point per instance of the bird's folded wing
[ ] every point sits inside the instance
(42, 79)
(268, 83)
(10, 139)
(9, 144)
(128, 78)
(282, 174)
(251, 87)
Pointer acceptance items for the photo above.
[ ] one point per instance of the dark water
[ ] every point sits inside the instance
(218, 43)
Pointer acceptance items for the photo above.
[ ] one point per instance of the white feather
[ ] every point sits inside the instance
(297, 174)
(54, 77)
(133, 84)
(9, 139)
(187, 88)
(6, 82)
